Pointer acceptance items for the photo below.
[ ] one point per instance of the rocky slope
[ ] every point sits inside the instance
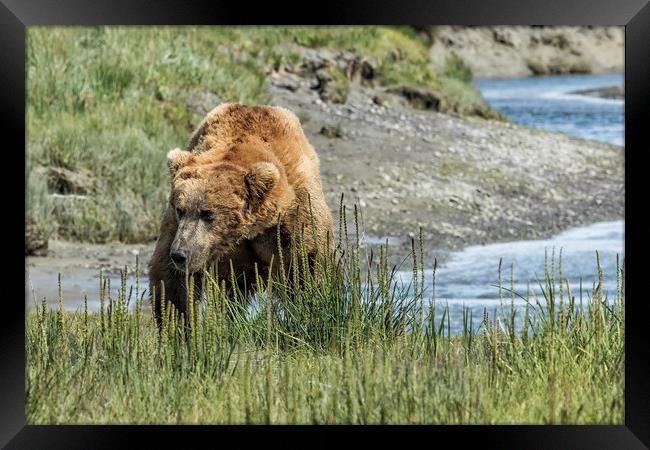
(464, 180)
(507, 51)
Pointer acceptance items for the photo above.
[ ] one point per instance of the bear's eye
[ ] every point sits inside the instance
(180, 212)
(207, 215)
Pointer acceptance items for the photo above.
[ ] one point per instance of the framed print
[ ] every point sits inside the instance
(408, 214)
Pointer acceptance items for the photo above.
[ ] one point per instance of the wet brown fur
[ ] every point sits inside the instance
(233, 157)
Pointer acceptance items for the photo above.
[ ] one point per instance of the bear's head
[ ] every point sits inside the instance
(217, 204)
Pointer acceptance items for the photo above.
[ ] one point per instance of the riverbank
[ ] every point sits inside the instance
(464, 181)
(398, 152)
(402, 140)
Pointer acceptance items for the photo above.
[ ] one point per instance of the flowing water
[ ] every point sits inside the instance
(470, 277)
(549, 103)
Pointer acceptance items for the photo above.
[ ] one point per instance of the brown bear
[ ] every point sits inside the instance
(248, 172)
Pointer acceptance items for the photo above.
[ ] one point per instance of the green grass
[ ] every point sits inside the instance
(113, 100)
(344, 345)
(456, 68)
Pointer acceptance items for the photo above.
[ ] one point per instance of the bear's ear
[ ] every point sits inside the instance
(176, 159)
(260, 179)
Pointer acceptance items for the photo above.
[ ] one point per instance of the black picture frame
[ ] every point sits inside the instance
(15, 15)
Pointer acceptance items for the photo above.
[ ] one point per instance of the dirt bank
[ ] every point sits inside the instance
(506, 51)
(465, 181)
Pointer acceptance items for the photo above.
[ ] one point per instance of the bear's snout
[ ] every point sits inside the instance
(179, 258)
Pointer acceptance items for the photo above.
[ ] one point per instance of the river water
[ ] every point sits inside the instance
(548, 103)
(469, 278)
